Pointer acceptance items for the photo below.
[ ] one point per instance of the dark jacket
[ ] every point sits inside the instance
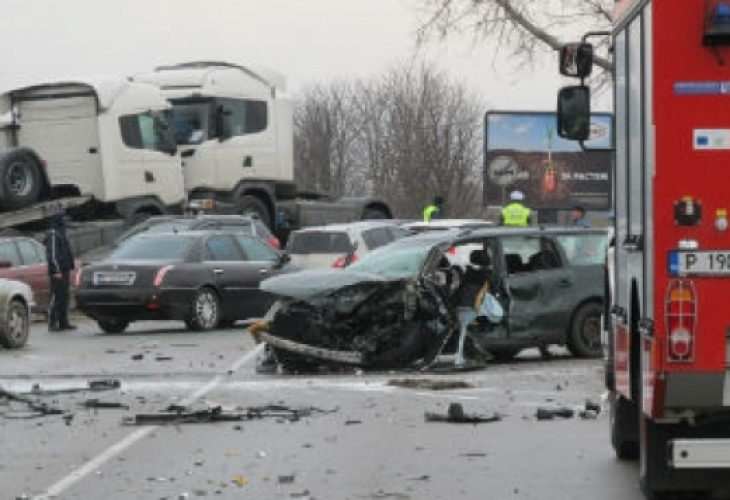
(58, 251)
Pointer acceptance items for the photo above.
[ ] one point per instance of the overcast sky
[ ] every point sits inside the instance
(308, 41)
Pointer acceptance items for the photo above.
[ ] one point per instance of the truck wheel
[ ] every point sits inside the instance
(138, 217)
(20, 179)
(623, 416)
(584, 337)
(372, 213)
(205, 312)
(251, 206)
(15, 326)
(113, 325)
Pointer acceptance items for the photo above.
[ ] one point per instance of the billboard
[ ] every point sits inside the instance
(523, 152)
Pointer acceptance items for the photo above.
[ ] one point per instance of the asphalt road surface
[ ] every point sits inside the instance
(365, 435)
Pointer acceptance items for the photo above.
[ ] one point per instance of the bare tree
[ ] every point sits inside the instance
(326, 127)
(525, 29)
(421, 138)
(405, 137)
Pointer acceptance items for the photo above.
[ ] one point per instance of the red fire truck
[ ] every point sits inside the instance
(668, 344)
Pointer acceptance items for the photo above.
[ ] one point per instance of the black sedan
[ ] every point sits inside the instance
(206, 279)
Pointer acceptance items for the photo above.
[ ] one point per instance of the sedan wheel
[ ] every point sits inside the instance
(205, 311)
(113, 325)
(15, 326)
(584, 338)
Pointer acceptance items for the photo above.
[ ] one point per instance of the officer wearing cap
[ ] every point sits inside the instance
(515, 213)
(433, 211)
(60, 263)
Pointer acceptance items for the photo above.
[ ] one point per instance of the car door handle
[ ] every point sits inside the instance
(263, 271)
(564, 283)
(218, 271)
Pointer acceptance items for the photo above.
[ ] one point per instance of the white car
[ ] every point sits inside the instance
(16, 304)
(330, 246)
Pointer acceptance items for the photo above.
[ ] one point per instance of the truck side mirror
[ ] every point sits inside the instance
(576, 59)
(574, 113)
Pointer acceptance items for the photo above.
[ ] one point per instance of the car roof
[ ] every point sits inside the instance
(456, 236)
(449, 223)
(349, 226)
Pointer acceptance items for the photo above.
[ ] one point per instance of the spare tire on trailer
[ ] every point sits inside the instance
(21, 178)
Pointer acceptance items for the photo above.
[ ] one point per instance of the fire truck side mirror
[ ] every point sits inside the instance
(574, 113)
(576, 59)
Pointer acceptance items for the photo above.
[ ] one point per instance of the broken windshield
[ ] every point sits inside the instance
(393, 262)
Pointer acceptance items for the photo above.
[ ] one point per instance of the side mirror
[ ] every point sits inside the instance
(574, 113)
(576, 59)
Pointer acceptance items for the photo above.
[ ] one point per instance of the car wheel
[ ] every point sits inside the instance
(584, 338)
(205, 313)
(20, 179)
(15, 325)
(113, 325)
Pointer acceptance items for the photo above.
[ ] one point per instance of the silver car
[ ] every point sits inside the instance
(16, 304)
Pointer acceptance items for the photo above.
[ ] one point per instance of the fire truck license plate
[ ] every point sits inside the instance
(707, 263)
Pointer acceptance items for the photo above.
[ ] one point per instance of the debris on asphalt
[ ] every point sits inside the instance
(137, 357)
(240, 480)
(456, 415)
(434, 385)
(92, 385)
(548, 413)
(37, 408)
(96, 403)
(588, 411)
(180, 415)
(286, 479)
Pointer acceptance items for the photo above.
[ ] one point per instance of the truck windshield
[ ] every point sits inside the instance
(191, 122)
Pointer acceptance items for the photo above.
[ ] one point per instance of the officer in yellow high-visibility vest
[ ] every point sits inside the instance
(433, 211)
(515, 213)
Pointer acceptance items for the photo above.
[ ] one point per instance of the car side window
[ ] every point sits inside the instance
(30, 254)
(222, 249)
(526, 254)
(9, 252)
(257, 250)
(584, 250)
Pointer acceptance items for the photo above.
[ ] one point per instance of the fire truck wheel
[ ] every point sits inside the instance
(584, 338)
(20, 179)
(251, 206)
(623, 415)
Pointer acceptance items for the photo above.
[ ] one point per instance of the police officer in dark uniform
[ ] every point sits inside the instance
(60, 263)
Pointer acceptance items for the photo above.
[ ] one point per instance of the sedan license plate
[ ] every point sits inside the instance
(699, 263)
(114, 278)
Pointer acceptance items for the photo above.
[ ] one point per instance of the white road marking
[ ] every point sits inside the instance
(94, 464)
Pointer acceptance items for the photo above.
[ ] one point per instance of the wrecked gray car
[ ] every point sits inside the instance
(404, 304)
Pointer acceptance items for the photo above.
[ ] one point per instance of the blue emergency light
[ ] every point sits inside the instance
(717, 23)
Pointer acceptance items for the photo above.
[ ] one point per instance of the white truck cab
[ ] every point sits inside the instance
(233, 125)
(103, 137)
